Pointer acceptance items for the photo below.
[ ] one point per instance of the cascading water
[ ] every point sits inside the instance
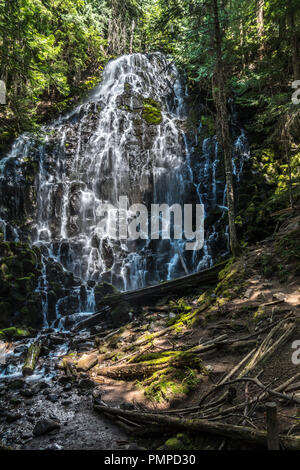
(107, 148)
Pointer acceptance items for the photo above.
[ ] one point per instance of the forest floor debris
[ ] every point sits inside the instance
(209, 361)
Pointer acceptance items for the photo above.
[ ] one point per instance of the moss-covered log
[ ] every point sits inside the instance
(152, 362)
(128, 372)
(32, 357)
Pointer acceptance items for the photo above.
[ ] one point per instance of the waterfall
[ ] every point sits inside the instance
(105, 148)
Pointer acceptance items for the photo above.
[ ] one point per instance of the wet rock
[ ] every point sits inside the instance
(29, 392)
(57, 339)
(16, 384)
(44, 385)
(53, 397)
(86, 384)
(68, 387)
(15, 401)
(67, 402)
(44, 426)
(12, 416)
(86, 362)
(20, 349)
(64, 380)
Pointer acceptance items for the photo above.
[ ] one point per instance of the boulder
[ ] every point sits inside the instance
(44, 426)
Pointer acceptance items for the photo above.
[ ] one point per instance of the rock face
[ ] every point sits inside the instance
(19, 273)
(132, 137)
(25, 292)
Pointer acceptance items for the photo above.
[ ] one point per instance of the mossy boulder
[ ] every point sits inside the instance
(174, 444)
(14, 333)
(103, 291)
(179, 375)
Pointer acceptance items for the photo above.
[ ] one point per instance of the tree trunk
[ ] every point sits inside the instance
(220, 99)
(132, 36)
(260, 27)
(294, 41)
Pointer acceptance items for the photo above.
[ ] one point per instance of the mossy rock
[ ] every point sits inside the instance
(15, 384)
(26, 284)
(173, 444)
(105, 289)
(170, 383)
(209, 123)
(152, 112)
(14, 333)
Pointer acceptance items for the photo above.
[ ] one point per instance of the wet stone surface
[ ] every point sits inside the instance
(48, 411)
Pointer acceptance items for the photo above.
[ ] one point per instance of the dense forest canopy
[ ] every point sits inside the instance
(53, 51)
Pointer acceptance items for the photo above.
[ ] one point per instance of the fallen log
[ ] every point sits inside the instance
(149, 295)
(240, 433)
(31, 358)
(129, 372)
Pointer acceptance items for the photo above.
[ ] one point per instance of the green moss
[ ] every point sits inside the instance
(178, 358)
(174, 444)
(170, 383)
(231, 279)
(105, 290)
(26, 284)
(260, 314)
(152, 111)
(14, 333)
(127, 87)
(209, 123)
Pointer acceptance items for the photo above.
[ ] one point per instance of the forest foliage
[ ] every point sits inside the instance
(53, 51)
